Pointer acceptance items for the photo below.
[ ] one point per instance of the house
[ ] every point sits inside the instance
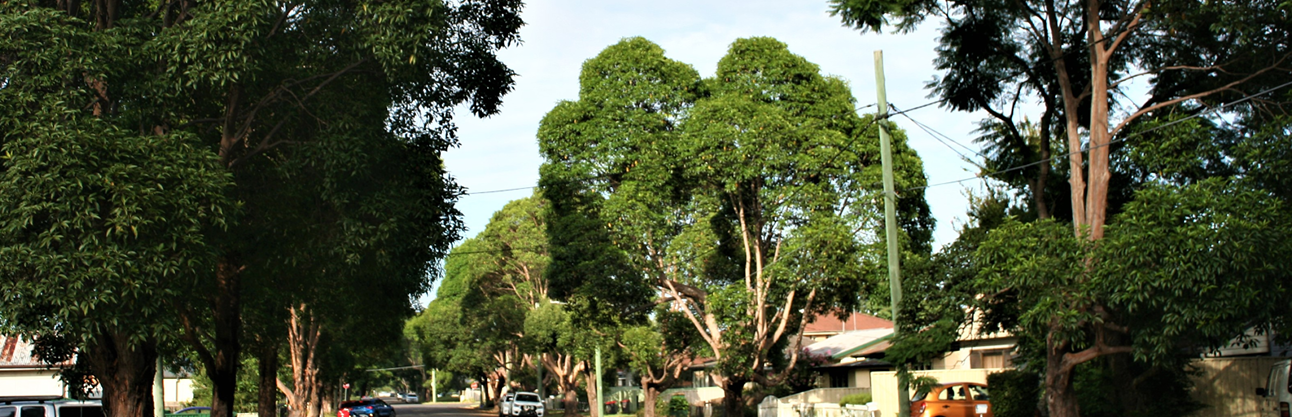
(23, 375)
(851, 347)
(177, 388)
(823, 327)
(851, 357)
(977, 350)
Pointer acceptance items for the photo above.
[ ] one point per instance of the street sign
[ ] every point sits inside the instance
(346, 386)
(475, 385)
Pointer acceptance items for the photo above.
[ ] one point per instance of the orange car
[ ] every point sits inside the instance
(953, 399)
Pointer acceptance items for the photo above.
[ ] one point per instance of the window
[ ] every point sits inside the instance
(33, 411)
(8, 411)
(81, 411)
(979, 393)
(953, 393)
(989, 359)
(529, 398)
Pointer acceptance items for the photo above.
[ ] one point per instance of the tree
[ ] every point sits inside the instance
(1076, 57)
(499, 279)
(251, 82)
(739, 198)
(659, 352)
(97, 226)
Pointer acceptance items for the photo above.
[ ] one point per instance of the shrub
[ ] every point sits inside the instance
(1014, 393)
(858, 398)
(678, 407)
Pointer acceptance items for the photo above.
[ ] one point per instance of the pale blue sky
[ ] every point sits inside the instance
(501, 152)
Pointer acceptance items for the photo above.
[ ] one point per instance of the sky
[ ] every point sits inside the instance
(501, 152)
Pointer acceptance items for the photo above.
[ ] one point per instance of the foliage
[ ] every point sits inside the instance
(1015, 393)
(246, 392)
(98, 224)
(1165, 169)
(285, 108)
(678, 407)
(860, 398)
(804, 376)
(717, 192)
(1156, 390)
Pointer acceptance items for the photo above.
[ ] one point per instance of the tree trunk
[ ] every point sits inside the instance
(651, 396)
(1043, 175)
(228, 325)
(303, 331)
(125, 372)
(571, 403)
(733, 392)
(1060, 396)
(590, 385)
(268, 367)
(496, 383)
(1098, 176)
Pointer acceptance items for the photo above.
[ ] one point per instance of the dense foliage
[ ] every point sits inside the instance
(298, 144)
(746, 199)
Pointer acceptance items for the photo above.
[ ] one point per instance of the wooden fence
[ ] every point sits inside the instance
(1227, 386)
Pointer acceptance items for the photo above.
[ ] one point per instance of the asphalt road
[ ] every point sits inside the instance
(440, 410)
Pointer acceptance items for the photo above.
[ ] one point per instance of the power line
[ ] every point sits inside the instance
(1123, 139)
(501, 191)
(942, 138)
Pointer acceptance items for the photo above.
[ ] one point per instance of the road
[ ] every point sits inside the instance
(440, 410)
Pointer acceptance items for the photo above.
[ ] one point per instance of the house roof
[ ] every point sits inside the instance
(851, 343)
(830, 323)
(16, 353)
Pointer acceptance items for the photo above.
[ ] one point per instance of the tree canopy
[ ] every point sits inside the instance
(1146, 167)
(324, 119)
(745, 198)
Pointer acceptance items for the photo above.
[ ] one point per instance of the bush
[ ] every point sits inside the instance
(858, 398)
(1014, 393)
(678, 407)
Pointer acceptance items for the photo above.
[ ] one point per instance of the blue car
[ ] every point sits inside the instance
(371, 407)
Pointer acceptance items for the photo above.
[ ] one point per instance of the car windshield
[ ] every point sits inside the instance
(531, 398)
(351, 403)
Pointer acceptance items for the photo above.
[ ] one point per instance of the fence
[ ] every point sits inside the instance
(771, 407)
(822, 395)
(1227, 386)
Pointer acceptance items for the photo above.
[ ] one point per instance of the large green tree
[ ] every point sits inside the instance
(260, 84)
(1076, 57)
(498, 278)
(98, 228)
(746, 199)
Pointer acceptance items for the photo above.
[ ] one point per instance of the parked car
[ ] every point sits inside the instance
(504, 407)
(953, 399)
(1278, 388)
(410, 397)
(49, 407)
(194, 410)
(367, 407)
(527, 404)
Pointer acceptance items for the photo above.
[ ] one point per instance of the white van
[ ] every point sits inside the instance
(1278, 388)
(49, 407)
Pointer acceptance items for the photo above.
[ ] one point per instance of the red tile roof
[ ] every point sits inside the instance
(830, 323)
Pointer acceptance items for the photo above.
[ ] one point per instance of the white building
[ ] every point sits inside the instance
(22, 375)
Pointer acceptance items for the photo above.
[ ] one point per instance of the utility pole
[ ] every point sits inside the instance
(599, 407)
(890, 219)
(434, 396)
(538, 363)
(159, 392)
